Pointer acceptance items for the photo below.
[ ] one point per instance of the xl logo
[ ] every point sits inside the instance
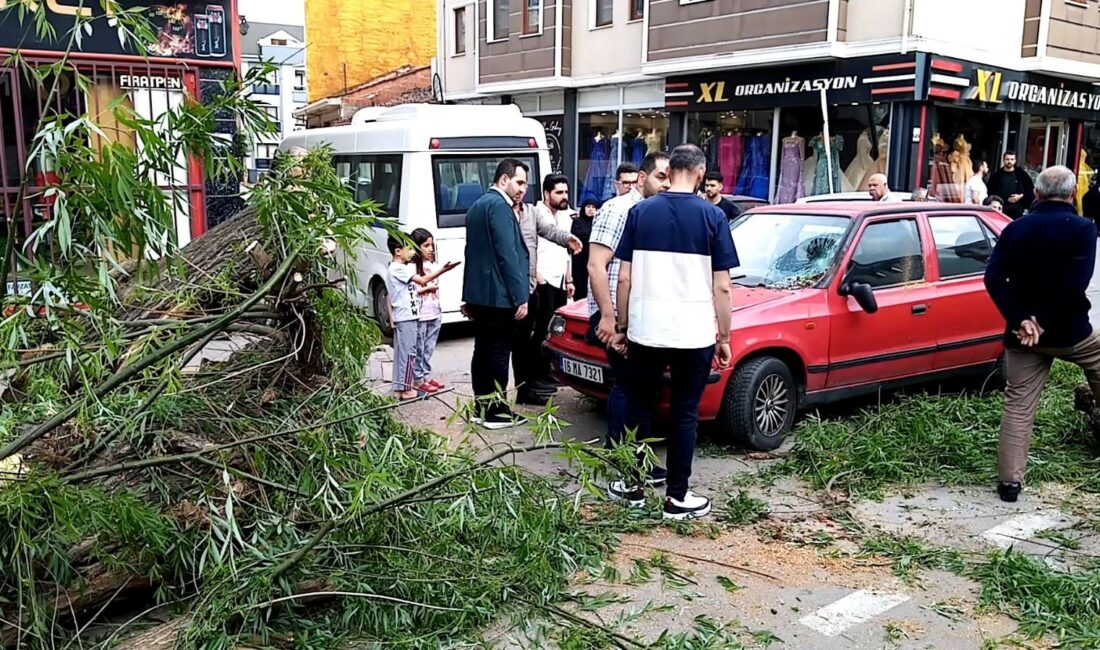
(710, 93)
(988, 89)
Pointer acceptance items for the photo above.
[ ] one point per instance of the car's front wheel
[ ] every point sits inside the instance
(759, 404)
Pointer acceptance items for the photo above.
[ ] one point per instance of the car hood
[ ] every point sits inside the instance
(745, 297)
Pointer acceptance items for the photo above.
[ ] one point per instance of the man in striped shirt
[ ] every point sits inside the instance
(603, 277)
(673, 300)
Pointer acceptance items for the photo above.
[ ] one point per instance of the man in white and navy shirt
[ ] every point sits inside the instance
(603, 278)
(673, 300)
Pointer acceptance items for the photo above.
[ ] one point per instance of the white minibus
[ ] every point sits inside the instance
(425, 164)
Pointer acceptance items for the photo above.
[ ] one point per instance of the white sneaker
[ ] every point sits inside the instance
(690, 507)
(633, 495)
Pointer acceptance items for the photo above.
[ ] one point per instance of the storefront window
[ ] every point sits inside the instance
(603, 147)
(738, 144)
(958, 138)
(858, 147)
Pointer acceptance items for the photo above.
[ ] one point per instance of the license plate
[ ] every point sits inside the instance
(585, 371)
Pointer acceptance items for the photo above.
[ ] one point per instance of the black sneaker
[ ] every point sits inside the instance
(633, 495)
(690, 507)
(657, 476)
(503, 420)
(1009, 492)
(1083, 399)
(531, 398)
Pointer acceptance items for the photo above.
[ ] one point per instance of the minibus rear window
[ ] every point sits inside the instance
(461, 180)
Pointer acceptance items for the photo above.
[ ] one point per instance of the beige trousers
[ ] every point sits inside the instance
(1026, 372)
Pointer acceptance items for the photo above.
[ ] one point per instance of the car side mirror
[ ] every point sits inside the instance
(863, 293)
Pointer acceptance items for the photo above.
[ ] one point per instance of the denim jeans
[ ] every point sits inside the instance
(690, 370)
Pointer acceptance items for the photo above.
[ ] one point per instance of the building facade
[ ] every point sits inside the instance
(197, 47)
(789, 97)
(285, 92)
(355, 42)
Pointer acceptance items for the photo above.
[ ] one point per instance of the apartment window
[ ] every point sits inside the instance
(532, 16)
(265, 152)
(460, 30)
(278, 41)
(273, 112)
(299, 80)
(500, 15)
(637, 9)
(603, 12)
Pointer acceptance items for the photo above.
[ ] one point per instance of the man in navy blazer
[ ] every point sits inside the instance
(495, 290)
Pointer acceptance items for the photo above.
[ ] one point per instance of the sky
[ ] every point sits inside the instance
(287, 12)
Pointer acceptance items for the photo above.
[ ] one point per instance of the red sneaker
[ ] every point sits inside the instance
(438, 386)
(427, 387)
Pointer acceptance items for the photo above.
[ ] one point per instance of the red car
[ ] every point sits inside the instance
(832, 301)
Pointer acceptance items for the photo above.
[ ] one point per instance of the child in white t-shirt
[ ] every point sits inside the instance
(405, 285)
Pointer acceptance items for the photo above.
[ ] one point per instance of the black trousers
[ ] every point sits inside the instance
(550, 299)
(494, 331)
(525, 359)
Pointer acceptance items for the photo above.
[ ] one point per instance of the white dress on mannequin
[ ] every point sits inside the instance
(809, 170)
(861, 163)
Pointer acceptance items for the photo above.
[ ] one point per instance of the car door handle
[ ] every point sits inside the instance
(920, 310)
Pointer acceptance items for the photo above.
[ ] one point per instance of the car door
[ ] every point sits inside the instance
(889, 254)
(971, 330)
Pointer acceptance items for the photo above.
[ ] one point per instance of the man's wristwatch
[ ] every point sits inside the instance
(620, 329)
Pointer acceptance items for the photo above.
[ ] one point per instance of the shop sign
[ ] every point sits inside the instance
(191, 29)
(554, 127)
(1009, 90)
(849, 80)
(149, 81)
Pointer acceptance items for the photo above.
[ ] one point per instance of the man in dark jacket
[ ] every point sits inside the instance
(1037, 276)
(495, 290)
(1014, 185)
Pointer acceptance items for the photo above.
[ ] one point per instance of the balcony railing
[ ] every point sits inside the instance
(266, 89)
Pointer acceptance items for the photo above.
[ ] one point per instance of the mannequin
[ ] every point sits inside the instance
(880, 164)
(1085, 172)
(961, 166)
(790, 187)
(941, 185)
(821, 176)
(857, 169)
(653, 140)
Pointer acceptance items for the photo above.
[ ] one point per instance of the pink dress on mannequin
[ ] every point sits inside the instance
(729, 160)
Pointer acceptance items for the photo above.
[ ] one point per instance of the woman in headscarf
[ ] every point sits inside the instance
(582, 229)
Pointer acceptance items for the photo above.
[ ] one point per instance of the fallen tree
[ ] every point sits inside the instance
(268, 497)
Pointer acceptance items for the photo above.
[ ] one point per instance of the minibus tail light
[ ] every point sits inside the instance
(434, 144)
(532, 143)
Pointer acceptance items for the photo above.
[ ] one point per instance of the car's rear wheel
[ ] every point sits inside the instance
(759, 404)
(381, 300)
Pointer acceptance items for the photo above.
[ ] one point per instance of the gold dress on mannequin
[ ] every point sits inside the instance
(961, 166)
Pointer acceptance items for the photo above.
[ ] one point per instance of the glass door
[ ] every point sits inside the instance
(1047, 144)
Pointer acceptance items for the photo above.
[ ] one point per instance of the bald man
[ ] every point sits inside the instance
(879, 189)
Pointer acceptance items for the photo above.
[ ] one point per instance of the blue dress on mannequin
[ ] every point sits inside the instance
(596, 176)
(637, 151)
(612, 157)
(755, 170)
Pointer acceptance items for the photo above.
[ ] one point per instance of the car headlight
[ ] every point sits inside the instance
(557, 326)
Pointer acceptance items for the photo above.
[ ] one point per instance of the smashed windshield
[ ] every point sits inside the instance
(785, 251)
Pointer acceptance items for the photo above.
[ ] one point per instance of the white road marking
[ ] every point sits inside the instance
(1021, 527)
(855, 608)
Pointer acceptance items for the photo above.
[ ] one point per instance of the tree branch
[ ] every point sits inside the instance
(157, 461)
(331, 524)
(132, 370)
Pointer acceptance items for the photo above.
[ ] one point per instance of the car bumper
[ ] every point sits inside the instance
(599, 390)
